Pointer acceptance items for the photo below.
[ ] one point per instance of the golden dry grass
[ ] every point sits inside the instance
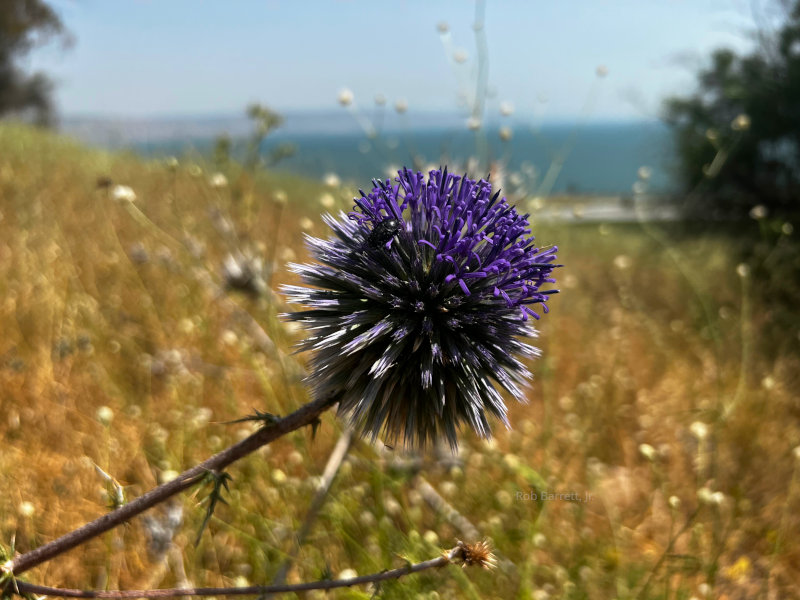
(118, 305)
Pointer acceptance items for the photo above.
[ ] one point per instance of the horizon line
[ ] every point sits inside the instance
(344, 113)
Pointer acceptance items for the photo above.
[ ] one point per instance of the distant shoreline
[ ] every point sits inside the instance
(590, 158)
(136, 129)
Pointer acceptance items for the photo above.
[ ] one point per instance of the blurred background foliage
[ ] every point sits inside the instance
(738, 136)
(25, 24)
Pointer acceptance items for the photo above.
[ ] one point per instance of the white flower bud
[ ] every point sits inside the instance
(105, 415)
(431, 537)
(705, 496)
(648, 452)
(743, 270)
(741, 123)
(123, 193)
(168, 475)
(26, 509)
(623, 262)
(218, 181)
(345, 97)
(331, 180)
(506, 108)
(699, 430)
(347, 574)
(327, 201)
(473, 123)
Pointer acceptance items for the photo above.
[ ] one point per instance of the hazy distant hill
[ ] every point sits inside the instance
(114, 132)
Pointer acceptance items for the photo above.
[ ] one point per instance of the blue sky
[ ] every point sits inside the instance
(192, 57)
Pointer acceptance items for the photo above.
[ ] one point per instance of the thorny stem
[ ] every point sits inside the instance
(303, 416)
(326, 584)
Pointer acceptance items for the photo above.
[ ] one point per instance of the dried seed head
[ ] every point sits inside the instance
(477, 554)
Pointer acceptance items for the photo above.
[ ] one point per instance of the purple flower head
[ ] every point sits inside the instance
(425, 290)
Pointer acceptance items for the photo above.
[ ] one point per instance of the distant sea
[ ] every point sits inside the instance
(594, 158)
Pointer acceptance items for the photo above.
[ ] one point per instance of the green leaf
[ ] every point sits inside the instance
(266, 418)
(219, 482)
(314, 427)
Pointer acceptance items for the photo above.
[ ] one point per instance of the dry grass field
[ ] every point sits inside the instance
(658, 456)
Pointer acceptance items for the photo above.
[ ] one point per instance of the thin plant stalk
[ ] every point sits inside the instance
(278, 217)
(335, 460)
(666, 553)
(445, 559)
(481, 81)
(445, 509)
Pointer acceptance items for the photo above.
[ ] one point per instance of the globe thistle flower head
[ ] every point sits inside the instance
(418, 304)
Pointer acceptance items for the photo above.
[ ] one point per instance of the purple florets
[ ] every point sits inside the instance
(425, 292)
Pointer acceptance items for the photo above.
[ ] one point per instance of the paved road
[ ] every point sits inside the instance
(608, 210)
